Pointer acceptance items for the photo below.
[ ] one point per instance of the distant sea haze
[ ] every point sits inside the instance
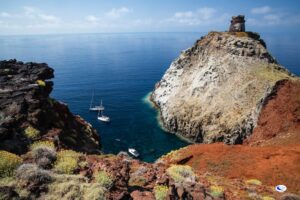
(122, 69)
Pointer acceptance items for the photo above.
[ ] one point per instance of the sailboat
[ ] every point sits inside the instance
(95, 108)
(102, 117)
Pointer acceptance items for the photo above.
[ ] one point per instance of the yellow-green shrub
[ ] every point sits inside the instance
(253, 182)
(41, 83)
(67, 161)
(268, 198)
(216, 191)
(161, 192)
(180, 172)
(44, 143)
(104, 179)
(31, 132)
(8, 163)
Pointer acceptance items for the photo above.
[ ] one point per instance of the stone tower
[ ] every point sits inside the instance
(237, 24)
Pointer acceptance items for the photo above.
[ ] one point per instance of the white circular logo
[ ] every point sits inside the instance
(280, 188)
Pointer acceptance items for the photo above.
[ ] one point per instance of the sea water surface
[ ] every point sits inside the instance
(122, 69)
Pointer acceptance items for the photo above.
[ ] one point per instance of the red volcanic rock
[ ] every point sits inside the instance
(279, 120)
(139, 195)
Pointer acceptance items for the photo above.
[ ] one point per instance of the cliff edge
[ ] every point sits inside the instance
(28, 114)
(215, 90)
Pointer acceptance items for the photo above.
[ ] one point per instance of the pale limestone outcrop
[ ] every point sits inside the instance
(214, 91)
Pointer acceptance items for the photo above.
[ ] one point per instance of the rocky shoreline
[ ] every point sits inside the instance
(227, 88)
(215, 90)
(28, 114)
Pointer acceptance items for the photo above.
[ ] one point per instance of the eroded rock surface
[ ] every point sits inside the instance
(28, 114)
(214, 91)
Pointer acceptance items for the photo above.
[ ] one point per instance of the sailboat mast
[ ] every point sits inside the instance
(92, 100)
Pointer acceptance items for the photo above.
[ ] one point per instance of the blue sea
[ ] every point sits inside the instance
(122, 69)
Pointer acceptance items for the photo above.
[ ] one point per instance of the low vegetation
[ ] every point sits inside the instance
(31, 132)
(253, 182)
(216, 191)
(67, 161)
(44, 157)
(161, 192)
(8, 163)
(33, 178)
(40, 144)
(74, 187)
(104, 179)
(41, 83)
(267, 198)
(181, 173)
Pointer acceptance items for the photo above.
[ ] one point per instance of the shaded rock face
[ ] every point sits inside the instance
(237, 24)
(215, 90)
(28, 114)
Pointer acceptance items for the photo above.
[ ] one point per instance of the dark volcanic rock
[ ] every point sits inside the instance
(25, 105)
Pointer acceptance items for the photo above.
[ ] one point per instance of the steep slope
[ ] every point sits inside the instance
(28, 114)
(214, 91)
(279, 120)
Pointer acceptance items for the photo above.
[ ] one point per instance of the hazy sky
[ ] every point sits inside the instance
(91, 16)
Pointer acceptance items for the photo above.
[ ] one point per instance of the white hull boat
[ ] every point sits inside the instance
(95, 108)
(133, 152)
(102, 117)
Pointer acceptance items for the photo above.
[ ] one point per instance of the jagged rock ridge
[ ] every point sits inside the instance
(28, 114)
(214, 91)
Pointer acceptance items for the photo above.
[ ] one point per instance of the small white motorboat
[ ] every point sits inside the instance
(103, 118)
(133, 152)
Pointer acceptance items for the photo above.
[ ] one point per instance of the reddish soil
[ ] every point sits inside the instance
(271, 154)
(279, 121)
(270, 165)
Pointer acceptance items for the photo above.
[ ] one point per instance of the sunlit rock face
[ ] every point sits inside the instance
(215, 90)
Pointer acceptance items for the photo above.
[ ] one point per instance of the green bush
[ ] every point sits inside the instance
(31, 132)
(67, 161)
(180, 173)
(41, 83)
(161, 192)
(8, 163)
(41, 144)
(104, 179)
(216, 191)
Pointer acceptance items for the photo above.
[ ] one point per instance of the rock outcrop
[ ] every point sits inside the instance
(215, 90)
(28, 114)
(279, 119)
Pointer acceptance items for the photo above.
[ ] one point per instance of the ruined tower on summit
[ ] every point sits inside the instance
(237, 24)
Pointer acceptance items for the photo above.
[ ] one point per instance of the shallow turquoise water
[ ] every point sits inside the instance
(122, 69)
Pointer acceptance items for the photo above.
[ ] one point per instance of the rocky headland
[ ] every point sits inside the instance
(227, 88)
(215, 90)
(28, 114)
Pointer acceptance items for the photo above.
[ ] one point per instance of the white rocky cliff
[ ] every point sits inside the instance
(214, 91)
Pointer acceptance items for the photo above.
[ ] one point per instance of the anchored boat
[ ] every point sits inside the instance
(133, 152)
(102, 117)
(96, 108)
